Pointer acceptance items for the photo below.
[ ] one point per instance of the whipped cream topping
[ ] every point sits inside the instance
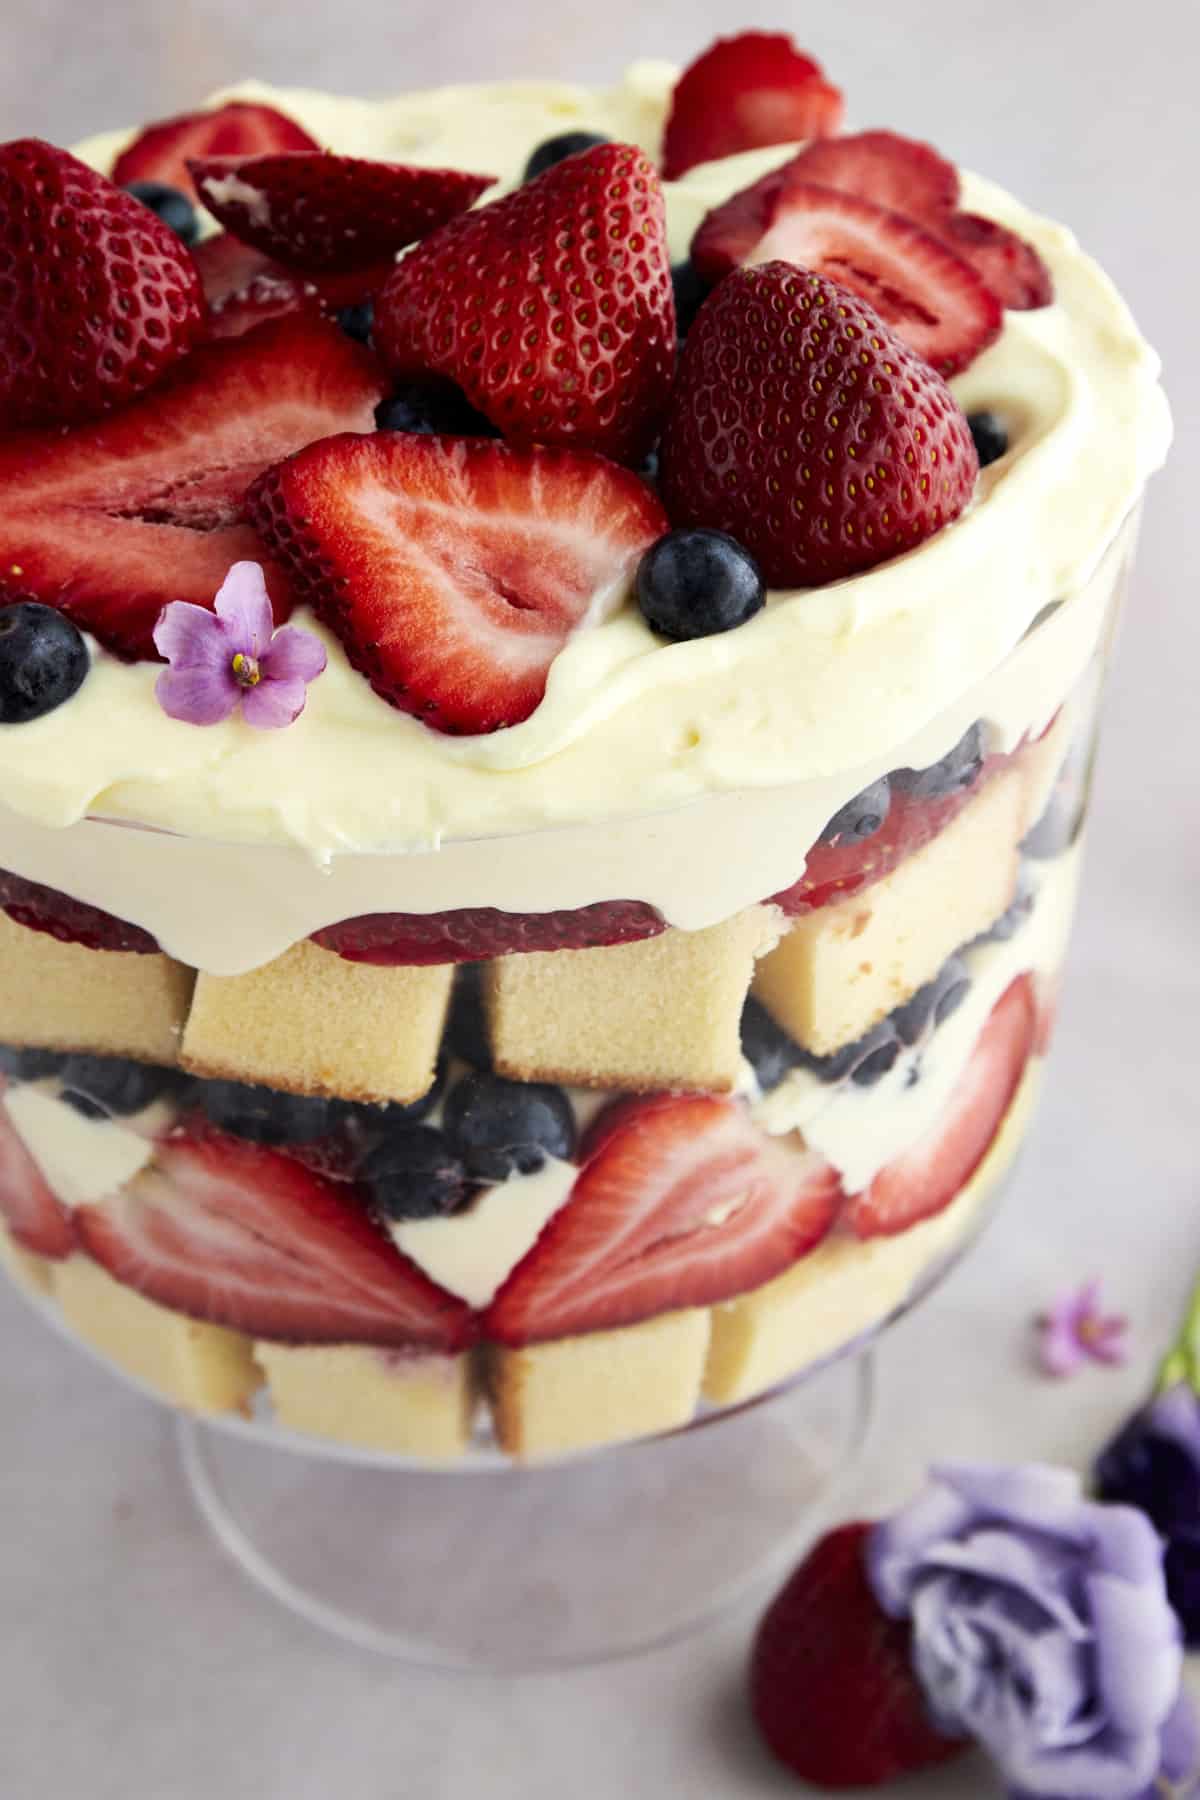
(472, 1252)
(81, 1160)
(767, 729)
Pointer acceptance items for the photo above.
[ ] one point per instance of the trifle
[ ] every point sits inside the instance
(548, 664)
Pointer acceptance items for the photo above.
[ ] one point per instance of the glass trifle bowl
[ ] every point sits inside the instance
(496, 1134)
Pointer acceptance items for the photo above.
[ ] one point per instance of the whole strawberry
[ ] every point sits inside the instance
(832, 1687)
(551, 308)
(98, 298)
(803, 427)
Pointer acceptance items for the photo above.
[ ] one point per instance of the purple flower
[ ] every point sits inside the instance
(1154, 1464)
(1077, 1330)
(233, 656)
(1041, 1628)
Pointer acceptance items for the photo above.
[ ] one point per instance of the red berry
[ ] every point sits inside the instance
(247, 1237)
(928, 1177)
(473, 933)
(638, 1235)
(1012, 268)
(111, 521)
(832, 1687)
(71, 921)
(900, 173)
(160, 152)
(744, 93)
(311, 210)
(454, 569)
(803, 427)
(928, 295)
(98, 298)
(551, 308)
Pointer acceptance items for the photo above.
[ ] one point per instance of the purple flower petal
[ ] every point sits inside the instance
(1137, 1673)
(1180, 1740)
(293, 655)
(197, 696)
(191, 636)
(273, 704)
(1059, 1350)
(244, 608)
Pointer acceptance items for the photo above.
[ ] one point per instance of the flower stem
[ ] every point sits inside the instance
(1182, 1361)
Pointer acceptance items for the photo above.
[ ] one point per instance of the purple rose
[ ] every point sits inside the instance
(1041, 1628)
(1154, 1464)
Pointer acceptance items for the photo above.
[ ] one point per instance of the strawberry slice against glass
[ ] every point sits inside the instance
(160, 151)
(33, 1214)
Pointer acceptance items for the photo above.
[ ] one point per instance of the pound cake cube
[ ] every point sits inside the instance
(33, 1274)
(409, 1403)
(663, 1013)
(312, 1023)
(847, 1285)
(600, 1388)
(844, 967)
(111, 1002)
(204, 1368)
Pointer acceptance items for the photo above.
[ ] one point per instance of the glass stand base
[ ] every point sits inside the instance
(506, 1569)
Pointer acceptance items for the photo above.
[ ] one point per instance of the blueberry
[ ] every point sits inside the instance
(30, 1065)
(436, 408)
(991, 439)
(413, 1173)
(870, 1049)
(169, 204)
(690, 295)
(466, 1027)
(110, 1084)
(933, 1003)
(861, 817)
(693, 583)
(364, 1125)
(956, 771)
(263, 1116)
(43, 661)
(503, 1128)
(875, 1065)
(557, 149)
(358, 321)
(766, 1046)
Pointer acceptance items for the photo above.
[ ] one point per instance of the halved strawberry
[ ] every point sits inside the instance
(682, 1201)
(37, 1219)
(98, 298)
(312, 210)
(113, 520)
(744, 93)
(900, 173)
(928, 1177)
(473, 933)
(552, 308)
(41, 908)
(928, 295)
(160, 151)
(455, 569)
(1009, 265)
(243, 1236)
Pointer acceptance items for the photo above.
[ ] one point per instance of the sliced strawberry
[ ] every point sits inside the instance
(243, 1236)
(160, 152)
(927, 1178)
(472, 933)
(36, 1218)
(551, 308)
(805, 428)
(900, 173)
(244, 288)
(1009, 265)
(930, 297)
(227, 267)
(454, 569)
(98, 298)
(312, 210)
(71, 921)
(113, 520)
(832, 1685)
(744, 93)
(269, 295)
(682, 1202)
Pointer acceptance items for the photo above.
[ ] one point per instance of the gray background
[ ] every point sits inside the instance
(134, 1662)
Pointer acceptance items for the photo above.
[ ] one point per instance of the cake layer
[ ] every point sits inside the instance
(659, 1014)
(408, 1405)
(112, 1003)
(310, 1023)
(204, 1368)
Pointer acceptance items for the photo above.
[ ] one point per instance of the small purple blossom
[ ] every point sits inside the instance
(233, 656)
(1077, 1330)
(1041, 1628)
